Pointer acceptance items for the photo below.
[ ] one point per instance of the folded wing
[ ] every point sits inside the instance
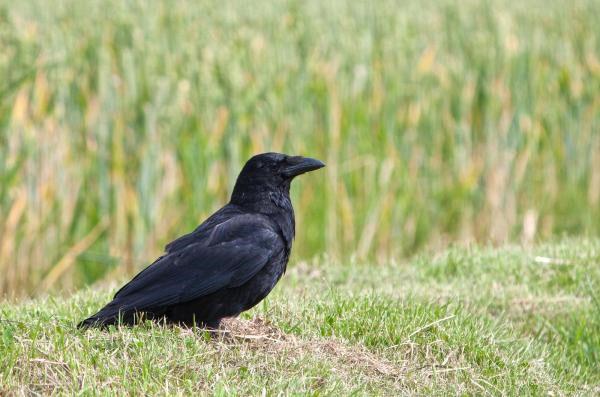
(224, 256)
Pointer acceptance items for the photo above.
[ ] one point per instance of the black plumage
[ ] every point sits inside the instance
(227, 264)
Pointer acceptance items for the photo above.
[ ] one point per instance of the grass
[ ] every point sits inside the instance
(507, 321)
(124, 123)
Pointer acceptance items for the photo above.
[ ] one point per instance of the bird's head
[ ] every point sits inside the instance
(271, 172)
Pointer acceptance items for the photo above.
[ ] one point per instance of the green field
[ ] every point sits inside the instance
(124, 123)
(508, 321)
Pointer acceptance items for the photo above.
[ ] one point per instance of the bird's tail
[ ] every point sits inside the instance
(92, 322)
(109, 315)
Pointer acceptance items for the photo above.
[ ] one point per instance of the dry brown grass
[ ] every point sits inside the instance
(406, 367)
(260, 335)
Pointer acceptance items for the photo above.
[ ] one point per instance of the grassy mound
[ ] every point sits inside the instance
(512, 320)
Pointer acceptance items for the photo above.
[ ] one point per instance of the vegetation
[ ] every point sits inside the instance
(123, 124)
(508, 321)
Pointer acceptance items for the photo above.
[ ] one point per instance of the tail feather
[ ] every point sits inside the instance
(109, 315)
(92, 322)
(118, 313)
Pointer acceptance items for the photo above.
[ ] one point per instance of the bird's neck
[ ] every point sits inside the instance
(256, 196)
(274, 203)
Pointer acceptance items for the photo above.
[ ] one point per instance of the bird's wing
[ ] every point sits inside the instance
(233, 252)
(227, 212)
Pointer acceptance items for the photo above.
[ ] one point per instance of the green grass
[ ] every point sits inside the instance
(507, 321)
(124, 123)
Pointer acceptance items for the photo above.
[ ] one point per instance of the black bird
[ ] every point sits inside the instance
(227, 264)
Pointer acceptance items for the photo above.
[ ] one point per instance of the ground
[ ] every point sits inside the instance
(500, 321)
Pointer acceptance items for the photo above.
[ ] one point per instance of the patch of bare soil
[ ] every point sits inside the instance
(407, 368)
(262, 335)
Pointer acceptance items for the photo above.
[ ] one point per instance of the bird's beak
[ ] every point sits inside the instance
(299, 165)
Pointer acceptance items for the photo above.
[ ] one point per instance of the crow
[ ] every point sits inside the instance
(226, 265)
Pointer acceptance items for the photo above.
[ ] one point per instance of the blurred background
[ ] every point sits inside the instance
(124, 123)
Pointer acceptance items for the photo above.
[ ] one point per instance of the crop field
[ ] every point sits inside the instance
(124, 123)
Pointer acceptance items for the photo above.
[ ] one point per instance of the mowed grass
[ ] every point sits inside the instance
(508, 321)
(124, 123)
